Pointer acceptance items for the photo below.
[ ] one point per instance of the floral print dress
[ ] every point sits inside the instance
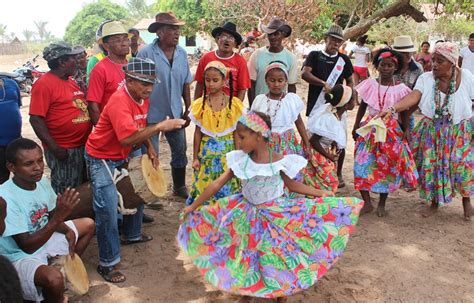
(262, 243)
(217, 140)
(383, 167)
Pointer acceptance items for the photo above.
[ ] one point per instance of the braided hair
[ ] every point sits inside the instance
(231, 88)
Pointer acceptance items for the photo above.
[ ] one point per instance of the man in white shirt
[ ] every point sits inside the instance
(466, 57)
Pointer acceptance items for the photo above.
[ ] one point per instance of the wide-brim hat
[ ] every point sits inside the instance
(164, 19)
(230, 28)
(335, 31)
(142, 69)
(112, 28)
(277, 24)
(403, 44)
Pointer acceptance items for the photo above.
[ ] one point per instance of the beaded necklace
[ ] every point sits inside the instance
(441, 106)
(277, 108)
(382, 100)
(222, 105)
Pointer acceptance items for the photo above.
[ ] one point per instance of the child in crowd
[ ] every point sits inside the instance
(328, 136)
(381, 164)
(215, 115)
(261, 243)
(284, 111)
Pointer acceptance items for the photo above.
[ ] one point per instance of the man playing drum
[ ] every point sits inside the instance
(35, 227)
(122, 124)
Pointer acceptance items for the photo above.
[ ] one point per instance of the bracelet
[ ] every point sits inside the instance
(392, 109)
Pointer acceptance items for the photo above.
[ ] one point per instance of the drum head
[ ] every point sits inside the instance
(76, 275)
(154, 178)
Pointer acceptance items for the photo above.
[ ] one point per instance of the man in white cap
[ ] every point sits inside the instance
(122, 124)
(107, 75)
(323, 70)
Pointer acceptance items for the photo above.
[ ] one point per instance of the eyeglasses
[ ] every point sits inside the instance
(118, 40)
(226, 37)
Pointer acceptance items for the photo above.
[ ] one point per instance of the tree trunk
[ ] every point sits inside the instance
(398, 8)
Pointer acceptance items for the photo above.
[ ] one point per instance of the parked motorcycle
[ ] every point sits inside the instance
(25, 75)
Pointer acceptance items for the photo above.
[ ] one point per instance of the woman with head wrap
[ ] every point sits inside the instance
(442, 140)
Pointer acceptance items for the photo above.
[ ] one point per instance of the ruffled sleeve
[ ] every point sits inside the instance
(292, 164)
(369, 92)
(216, 124)
(323, 123)
(243, 166)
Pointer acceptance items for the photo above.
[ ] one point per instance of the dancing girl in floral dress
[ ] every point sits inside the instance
(215, 116)
(382, 165)
(328, 136)
(260, 242)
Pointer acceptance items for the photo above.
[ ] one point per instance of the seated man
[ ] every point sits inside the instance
(34, 224)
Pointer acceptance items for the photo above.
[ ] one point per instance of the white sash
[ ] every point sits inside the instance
(331, 81)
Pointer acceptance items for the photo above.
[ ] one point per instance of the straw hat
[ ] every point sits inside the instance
(403, 44)
(112, 28)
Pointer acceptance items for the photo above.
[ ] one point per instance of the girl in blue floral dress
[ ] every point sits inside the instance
(215, 116)
(260, 242)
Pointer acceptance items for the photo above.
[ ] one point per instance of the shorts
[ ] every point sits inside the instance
(26, 268)
(361, 71)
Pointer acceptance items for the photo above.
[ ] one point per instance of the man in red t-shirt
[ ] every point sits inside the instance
(59, 117)
(121, 125)
(227, 39)
(107, 75)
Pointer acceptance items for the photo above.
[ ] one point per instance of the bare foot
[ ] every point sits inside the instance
(428, 212)
(367, 208)
(467, 207)
(381, 212)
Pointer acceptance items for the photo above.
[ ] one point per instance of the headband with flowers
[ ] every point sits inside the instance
(448, 50)
(255, 123)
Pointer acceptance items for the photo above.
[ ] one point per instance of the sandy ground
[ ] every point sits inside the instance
(400, 258)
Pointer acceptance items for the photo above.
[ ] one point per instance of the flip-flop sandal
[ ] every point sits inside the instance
(143, 238)
(110, 274)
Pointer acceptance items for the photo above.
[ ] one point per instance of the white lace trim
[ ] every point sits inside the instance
(289, 164)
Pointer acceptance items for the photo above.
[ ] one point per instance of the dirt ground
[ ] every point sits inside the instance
(400, 258)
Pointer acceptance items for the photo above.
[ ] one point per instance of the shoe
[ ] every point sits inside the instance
(179, 182)
(147, 218)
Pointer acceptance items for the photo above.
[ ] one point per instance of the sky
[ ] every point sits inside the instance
(19, 15)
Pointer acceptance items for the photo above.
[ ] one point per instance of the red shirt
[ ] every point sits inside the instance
(63, 106)
(235, 63)
(120, 119)
(105, 78)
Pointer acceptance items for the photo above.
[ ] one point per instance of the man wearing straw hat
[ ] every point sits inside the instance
(122, 124)
(323, 70)
(107, 75)
(170, 91)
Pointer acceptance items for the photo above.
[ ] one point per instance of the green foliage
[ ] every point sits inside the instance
(194, 12)
(457, 29)
(139, 9)
(82, 28)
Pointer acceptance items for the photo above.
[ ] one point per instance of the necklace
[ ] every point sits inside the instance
(222, 104)
(382, 100)
(277, 107)
(441, 106)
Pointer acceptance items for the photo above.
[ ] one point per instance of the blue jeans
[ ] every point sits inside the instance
(105, 201)
(177, 141)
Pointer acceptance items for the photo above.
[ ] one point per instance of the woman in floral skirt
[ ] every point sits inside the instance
(442, 140)
(382, 165)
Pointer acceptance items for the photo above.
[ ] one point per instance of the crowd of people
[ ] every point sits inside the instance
(262, 218)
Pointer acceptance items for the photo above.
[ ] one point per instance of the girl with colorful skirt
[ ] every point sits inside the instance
(284, 111)
(260, 242)
(442, 140)
(383, 161)
(328, 136)
(215, 116)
